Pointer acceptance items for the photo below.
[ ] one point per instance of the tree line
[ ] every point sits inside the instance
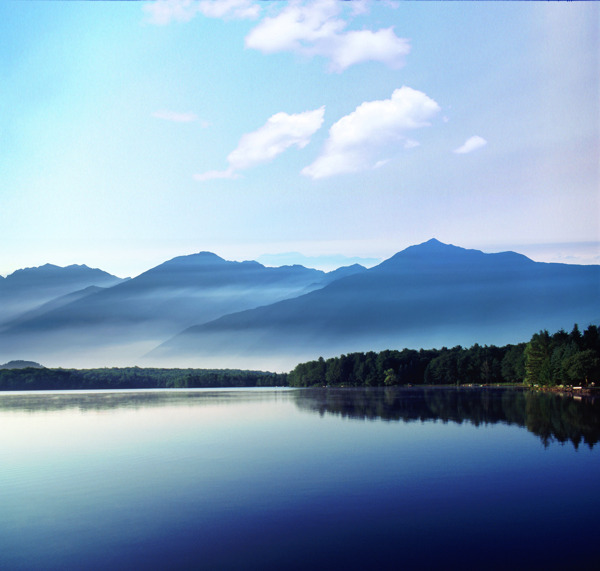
(562, 358)
(546, 360)
(134, 378)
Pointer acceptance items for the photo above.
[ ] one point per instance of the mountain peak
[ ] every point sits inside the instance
(436, 254)
(434, 244)
(200, 257)
(190, 260)
(431, 249)
(79, 266)
(206, 254)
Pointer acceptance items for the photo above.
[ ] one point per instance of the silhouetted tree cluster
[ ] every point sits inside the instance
(563, 358)
(458, 365)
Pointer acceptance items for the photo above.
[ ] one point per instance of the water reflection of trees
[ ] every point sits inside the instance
(551, 417)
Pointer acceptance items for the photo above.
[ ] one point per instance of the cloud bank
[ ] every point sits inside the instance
(314, 29)
(308, 28)
(357, 140)
(279, 133)
(471, 144)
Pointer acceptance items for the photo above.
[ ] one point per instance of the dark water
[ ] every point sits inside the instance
(299, 479)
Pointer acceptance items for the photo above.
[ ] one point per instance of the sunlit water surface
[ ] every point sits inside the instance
(298, 479)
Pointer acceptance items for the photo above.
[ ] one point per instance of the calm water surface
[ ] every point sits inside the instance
(299, 479)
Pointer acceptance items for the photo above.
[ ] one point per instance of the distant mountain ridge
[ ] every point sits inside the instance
(21, 365)
(28, 288)
(136, 315)
(201, 310)
(427, 295)
(50, 275)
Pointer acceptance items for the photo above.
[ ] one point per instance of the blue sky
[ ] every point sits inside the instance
(133, 132)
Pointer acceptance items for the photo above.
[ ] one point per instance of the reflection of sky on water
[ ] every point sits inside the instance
(83, 426)
(271, 480)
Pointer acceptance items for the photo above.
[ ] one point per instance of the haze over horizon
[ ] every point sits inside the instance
(135, 132)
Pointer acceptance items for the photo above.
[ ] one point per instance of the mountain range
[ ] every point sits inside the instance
(201, 310)
(119, 324)
(27, 289)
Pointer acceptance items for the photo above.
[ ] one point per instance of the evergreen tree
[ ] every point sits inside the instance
(537, 355)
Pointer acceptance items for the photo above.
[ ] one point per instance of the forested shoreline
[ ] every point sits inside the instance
(547, 360)
(134, 378)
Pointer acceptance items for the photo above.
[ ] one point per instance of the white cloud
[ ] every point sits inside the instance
(471, 144)
(356, 140)
(294, 25)
(177, 117)
(314, 29)
(280, 132)
(364, 45)
(163, 12)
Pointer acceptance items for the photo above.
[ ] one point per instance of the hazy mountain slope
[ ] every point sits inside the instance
(427, 295)
(134, 316)
(52, 305)
(29, 288)
(343, 272)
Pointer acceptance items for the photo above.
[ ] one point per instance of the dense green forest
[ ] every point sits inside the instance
(133, 378)
(548, 360)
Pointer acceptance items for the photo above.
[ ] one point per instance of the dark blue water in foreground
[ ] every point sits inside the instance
(299, 479)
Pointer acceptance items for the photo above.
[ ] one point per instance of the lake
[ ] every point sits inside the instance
(299, 479)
